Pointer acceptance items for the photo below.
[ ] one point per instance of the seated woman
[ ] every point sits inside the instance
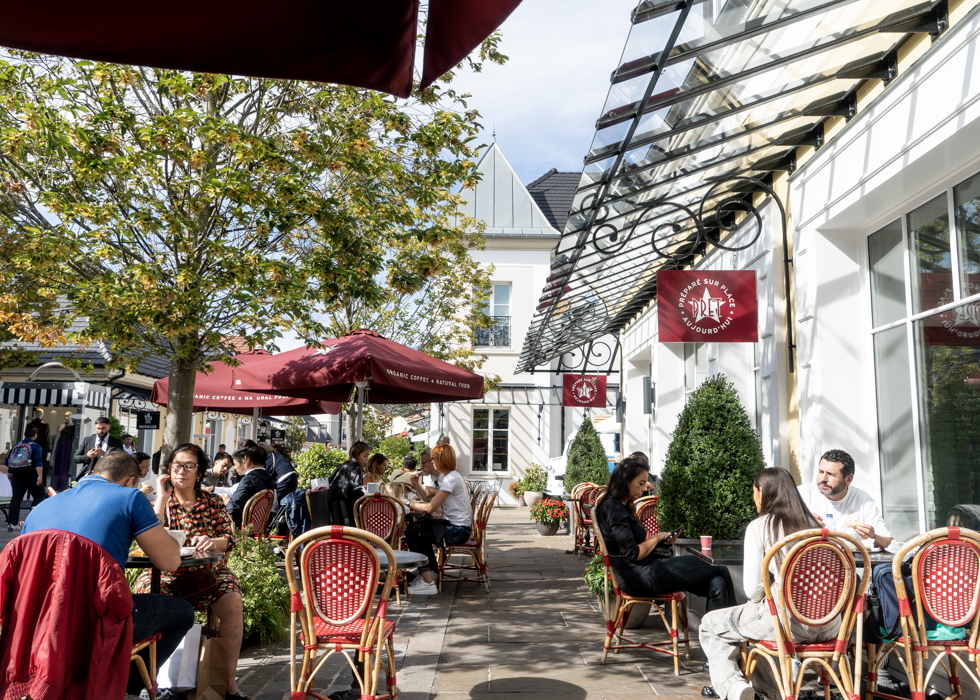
(782, 512)
(645, 567)
(203, 517)
(454, 500)
(374, 472)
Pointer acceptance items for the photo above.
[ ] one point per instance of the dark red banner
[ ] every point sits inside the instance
(584, 390)
(699, 306)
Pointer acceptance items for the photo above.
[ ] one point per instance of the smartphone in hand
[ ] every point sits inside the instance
(675, 533)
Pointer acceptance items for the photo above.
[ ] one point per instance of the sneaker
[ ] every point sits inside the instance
(741, 690)
(13, 528)
(162, 694)
(420, 587)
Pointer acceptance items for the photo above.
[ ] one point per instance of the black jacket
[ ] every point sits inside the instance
(346, 485)
(623, 534)
(87, 444)
(252, 482)
(282, 474)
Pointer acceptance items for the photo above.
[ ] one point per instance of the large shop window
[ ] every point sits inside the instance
(491, 439)
(926, 337)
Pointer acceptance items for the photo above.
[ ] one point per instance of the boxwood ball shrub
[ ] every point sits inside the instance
(316, 462)
(586, 458)
(714, 455)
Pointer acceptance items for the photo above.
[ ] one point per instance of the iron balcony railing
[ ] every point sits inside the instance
(497, 335)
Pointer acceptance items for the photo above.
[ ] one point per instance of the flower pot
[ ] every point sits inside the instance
(547, 528)
(638, 615)
(520, 499)
(532, 497)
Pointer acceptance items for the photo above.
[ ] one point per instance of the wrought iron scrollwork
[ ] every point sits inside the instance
(134, 404)
(215, 415)
(597, 356)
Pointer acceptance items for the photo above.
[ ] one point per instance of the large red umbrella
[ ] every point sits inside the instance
(390, 373)
(365, 44)
(213, 392)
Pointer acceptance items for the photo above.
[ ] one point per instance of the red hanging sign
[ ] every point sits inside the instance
(584, 390)
(698, 306)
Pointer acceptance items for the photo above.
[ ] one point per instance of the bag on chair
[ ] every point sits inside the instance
(211, 683)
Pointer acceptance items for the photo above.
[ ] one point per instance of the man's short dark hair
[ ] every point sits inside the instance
(221, 447)
(127, 435)
(103, 419)
(255, 455)
(117, 466)
(410, 463)
(30, 431)
(845, 461)
(141, 457)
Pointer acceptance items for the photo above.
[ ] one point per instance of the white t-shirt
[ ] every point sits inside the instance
(757, 543)
(856, 508)
(456, 507)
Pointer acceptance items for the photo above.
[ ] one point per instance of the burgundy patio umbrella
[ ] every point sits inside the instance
(213, 392)
(365, 44)
(381, 370)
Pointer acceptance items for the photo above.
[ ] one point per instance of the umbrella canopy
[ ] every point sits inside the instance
(213, 392)
(394, 373)
(365, 44)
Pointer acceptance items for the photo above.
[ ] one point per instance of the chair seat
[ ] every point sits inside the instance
(343, 634)
(678, 596)
(800, 648)
(468, 544)
(149, 640)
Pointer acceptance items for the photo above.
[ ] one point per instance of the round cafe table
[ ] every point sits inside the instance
(403, 559)
(195, 559)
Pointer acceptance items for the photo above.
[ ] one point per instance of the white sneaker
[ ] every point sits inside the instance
(741, 690)
(420, 587)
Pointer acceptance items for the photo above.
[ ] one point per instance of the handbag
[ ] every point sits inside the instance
(179, 672)
(195, 584)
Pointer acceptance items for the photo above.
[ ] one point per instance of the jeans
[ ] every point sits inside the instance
(22, 482)
(166, 615)
(689, 573)
(421, 538)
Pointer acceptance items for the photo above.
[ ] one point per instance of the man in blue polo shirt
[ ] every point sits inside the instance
(106, 508)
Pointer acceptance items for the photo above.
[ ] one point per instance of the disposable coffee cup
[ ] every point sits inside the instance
(178, 535)
(705, 541)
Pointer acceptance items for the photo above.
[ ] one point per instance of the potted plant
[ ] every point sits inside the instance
(547, 514)
(535, 482)
(517, 490)
(316, 462)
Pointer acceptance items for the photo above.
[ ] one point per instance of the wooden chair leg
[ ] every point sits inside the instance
(687, 641)
(673, 635)
(871, 684)
(145, 673)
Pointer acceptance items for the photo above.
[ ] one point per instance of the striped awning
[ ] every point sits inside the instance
(80, 394)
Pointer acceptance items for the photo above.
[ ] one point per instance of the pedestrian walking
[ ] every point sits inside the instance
(26, 469)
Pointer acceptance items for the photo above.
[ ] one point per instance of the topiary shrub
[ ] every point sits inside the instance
(315, 462)
(586, 458)
(714, 455)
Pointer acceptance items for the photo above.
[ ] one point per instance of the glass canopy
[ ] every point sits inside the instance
(710, 98)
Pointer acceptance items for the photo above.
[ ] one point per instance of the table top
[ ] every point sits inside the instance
(734, 555)
(404, 559)
(196, 560)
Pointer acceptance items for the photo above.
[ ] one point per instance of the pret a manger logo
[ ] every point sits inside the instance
(585, 389)
(706, 306)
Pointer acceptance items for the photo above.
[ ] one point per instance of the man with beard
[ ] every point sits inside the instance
(837, 505)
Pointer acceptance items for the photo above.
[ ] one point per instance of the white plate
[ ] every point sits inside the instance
(187, 552)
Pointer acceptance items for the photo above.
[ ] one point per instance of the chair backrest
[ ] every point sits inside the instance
(481, 518)
(379, 515)
(257, 510)
(476, 497)
(946, 574)
(646, 511)
(339, 569)
(588, 497)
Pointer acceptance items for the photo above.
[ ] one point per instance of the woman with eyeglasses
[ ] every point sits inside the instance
(182, 504)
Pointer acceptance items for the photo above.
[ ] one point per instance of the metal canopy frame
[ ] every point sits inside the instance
(702, 110)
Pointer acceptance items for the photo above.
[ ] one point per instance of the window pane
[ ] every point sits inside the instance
(967, 199)
(932, 279)
(501, 294)
(481, 419)
(887, 274)
(500, 452)
(480, 444)
(896, 431)
(501, 419)
(948, 361)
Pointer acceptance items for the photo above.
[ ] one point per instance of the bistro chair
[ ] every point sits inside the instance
(475, 548)
(333, 610)
(946, 583)
(646, 511)
(583, 516)
(617, 611)
(380, 515)
(257, 511)
(148, 674)
(818, 584)
(476, 498)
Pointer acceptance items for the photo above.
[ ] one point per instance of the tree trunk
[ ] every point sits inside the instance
(180, 407)
(351, 416)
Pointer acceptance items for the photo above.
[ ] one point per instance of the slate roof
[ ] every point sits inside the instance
(553, 193)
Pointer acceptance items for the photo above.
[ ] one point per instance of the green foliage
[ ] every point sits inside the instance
(115, 427)
(549, 511)
(265, 595)
(714, 455)
(594, 575)
(586, 458)
(535, 478)
(295, 434)
(315, 462)
(516, 488)
(394, 448)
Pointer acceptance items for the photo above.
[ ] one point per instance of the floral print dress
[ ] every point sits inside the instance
(208, 517)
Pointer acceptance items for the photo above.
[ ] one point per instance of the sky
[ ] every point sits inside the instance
(544, 102)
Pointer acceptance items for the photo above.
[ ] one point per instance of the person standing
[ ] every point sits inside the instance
(220, 454)
(92, 448)
(26, 469)
(128, 446)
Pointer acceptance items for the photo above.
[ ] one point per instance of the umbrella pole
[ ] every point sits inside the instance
(255, 424)
(359, 426)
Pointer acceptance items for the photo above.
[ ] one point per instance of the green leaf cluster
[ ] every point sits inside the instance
(594, 575)
(265, 595)
(714, 454)
(586, 458)
(316, 462)
(535, 478)
(394, 448)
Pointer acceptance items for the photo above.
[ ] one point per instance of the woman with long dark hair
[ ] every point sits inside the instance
(781, 513)
(647, 567)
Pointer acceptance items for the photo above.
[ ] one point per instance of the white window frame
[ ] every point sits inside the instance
(491, 433)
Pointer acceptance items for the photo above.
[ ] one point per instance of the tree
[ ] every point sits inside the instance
(714, 455)
(586, 458)
(171, 210)
(295, 434)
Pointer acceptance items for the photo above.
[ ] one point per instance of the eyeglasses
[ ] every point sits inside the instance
(186, 467)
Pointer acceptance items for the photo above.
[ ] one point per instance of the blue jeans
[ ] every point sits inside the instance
(421, 538)
(166, 615)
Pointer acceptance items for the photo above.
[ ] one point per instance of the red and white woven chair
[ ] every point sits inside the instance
(946, 582)
(646, 511)
(818, 584)
(617, 611)
(578, 517)
(588, 496)
(475, 548)
(257, 511)
(380, 515)
(332, 609)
